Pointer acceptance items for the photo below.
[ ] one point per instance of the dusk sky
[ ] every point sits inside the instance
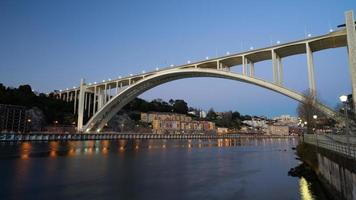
(52, 44)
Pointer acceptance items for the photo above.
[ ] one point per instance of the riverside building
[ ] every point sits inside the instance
(171, 123)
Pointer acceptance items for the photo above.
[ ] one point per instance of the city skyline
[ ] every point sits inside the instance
(54, 39)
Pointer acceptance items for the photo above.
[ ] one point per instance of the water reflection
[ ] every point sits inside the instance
(304, 188)
(238, 167)
(25, 150)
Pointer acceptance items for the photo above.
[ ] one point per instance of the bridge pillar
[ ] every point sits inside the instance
(101, 99)
(351, 47)
(252, 69)
(75, 101)
(89, 104)
(94, 101)
(67, 96)
(311, 77)
(81, 105)
(280, 70)
(244, 65)
(85, 100)
(275, 67)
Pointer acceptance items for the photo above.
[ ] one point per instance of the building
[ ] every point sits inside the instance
(278, 130)
(181, 127)
(172, 123)
(222, 130)
(286, 120)
(13, 119)
(149, 117)
(257, 123)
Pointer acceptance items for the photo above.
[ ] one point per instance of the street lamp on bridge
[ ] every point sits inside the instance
(343, 99)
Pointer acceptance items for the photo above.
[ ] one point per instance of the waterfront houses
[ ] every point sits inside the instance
(172, 123)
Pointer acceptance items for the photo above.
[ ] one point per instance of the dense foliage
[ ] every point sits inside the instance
(61, 111)
(53, 109)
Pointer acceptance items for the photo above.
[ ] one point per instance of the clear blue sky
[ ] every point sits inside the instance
(52, 44)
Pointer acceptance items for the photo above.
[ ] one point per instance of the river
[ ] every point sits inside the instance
(153, 169)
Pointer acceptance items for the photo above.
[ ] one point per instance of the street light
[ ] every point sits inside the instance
(343, 99)
(315, 117)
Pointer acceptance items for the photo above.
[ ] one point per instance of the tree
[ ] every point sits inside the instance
(307, 109)
(211, 115)
(180, 106)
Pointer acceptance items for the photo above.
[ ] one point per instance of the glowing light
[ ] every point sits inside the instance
(73, 87)
(131, 74)
(157, 68)
(207, 58)
(98, 130)
(119, 76)
(227, 53)
(109, 79)
(304, 189)
(103, 81)
(188, 62)
(309, 35)
(94, 82)
(331, 30)
(251, 48)
(143, 71)
(172, 65)
(278, 42)
(343, 98)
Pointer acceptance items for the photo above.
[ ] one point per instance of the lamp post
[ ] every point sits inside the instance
(343, 99)
(315, 117)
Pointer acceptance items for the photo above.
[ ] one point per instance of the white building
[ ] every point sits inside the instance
(257, 123)
(286, 120)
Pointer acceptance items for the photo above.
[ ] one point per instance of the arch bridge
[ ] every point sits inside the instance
(99, 102)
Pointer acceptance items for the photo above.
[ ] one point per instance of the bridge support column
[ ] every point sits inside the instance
(85, 100)
(89, 104)
(105, 92)
(101, 99)
(244, 65)
(252, 69)
(67, 97)
(351, 47)
(81, 105)
(75, 101)
(109, 93)
(117, 87)
(311, 77)
(275, 67)
(94, 101)
(280, 70)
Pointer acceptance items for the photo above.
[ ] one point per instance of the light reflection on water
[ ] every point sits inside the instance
(209, 169)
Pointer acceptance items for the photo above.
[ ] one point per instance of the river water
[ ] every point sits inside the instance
(152, 169)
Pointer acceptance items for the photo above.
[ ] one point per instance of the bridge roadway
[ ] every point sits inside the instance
(14, 137)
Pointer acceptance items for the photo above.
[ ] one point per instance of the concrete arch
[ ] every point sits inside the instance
(102, 116)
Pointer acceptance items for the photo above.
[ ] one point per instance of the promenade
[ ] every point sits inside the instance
(14, 137)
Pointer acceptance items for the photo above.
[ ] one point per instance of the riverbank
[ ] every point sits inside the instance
(336, 173)
(12, 137)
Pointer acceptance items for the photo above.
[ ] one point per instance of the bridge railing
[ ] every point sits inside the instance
(340, 144)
